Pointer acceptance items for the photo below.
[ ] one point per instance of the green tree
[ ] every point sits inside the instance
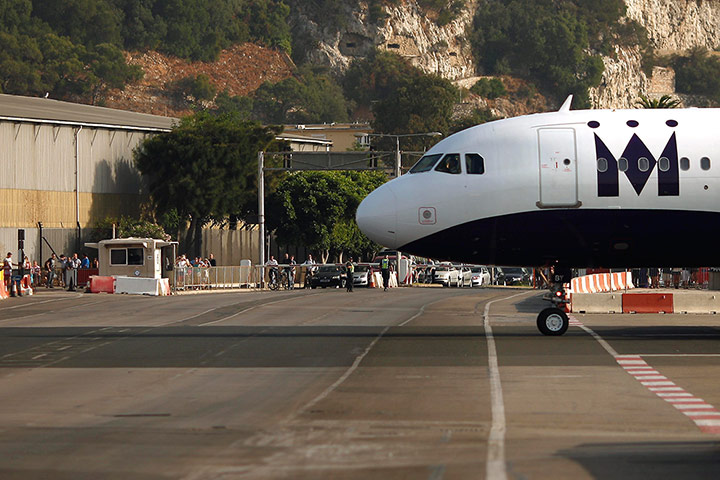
(87, 22)
(317, 209)
(666, 101)
(204, 169)
(489, 88)
(541, 39)
(419, 105)
(311, 96)
(698, 73)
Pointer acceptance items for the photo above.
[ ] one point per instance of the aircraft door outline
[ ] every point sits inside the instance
(557, 155)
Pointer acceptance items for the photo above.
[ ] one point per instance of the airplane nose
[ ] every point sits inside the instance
(377, 217)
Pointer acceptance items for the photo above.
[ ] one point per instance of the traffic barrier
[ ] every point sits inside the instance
(597, 303)
(26, 285)
(140, 286)
(601, 282)
(3, 291)
(647, 303)
(98, 284)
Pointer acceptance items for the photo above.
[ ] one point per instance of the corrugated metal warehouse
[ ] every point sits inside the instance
(66, 166)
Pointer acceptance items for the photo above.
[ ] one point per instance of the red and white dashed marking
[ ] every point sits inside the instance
(705, 416)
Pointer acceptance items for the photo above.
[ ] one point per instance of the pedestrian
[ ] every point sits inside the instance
(213, 262)
(349, 270)
(310, 269)
(291, 273)
(50, 266)
(85, 261)
(273, 269)
(71, 267)
(385, 269)
(35, 272)
(7, 270)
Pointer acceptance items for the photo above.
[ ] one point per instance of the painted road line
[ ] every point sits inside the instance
(704, 415)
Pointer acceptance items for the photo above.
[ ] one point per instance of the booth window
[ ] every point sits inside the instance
(126, 256)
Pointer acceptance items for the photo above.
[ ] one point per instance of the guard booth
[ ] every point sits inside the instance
(139, 265)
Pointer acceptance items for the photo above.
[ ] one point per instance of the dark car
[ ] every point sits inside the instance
(328, 276)
(512, 276)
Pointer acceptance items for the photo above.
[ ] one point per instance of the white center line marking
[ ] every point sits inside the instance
(495, 465)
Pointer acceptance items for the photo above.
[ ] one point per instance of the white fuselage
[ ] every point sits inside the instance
(580, 175)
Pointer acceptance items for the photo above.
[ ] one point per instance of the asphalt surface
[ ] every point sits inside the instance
(427, 383)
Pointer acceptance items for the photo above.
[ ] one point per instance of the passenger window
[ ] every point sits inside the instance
(426, 163)
(664, 164)
(643, 164)
(705, 163)
(623, 164)
(602, 165)
(684, 163)
(449, 164)
(474, 164)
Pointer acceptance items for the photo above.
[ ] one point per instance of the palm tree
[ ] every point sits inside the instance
(666, 101)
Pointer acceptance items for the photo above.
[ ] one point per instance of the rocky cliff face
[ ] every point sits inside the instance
(673, 26)
(406, 31)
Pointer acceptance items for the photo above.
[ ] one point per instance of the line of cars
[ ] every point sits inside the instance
(449, 275)
(445, 274)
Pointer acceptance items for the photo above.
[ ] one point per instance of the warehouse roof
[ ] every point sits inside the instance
(45, 110)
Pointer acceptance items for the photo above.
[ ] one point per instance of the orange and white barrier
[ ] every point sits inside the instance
(3, 291)
(601, 282)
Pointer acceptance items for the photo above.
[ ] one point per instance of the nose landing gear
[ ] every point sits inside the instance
(552, 321)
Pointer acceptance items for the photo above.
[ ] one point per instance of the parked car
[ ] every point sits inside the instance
(328, 276)
(361, 275)
(479, 276)
(464, 276)
(512, 276)
(447, 275)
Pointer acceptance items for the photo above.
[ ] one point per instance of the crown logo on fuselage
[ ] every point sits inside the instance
(638, 164)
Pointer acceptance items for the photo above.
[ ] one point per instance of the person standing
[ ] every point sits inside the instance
(349, 270)
(273, 271)
(385, 269)
(85, 263)
(291, 273)
(213, 262)
(35, 273)
(310, 269)
(7, 270)
(50, 265)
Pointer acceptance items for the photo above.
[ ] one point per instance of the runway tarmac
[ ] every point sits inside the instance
(426, 383)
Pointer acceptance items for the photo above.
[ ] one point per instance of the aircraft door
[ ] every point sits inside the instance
(558, 168)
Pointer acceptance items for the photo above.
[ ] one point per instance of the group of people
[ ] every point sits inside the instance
(289, 269)
(183, 261)
(677, 277)
(62, 268)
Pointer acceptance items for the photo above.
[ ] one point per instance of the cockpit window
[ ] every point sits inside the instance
(449, 164)
(474, 164)
(426, 163)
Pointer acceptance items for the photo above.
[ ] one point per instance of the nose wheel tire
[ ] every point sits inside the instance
(553, 322)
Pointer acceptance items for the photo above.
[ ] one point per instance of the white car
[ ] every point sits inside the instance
(480, 276)
(447, 275)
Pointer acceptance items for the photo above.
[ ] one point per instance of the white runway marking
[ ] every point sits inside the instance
(698, 410)
(495, 468)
